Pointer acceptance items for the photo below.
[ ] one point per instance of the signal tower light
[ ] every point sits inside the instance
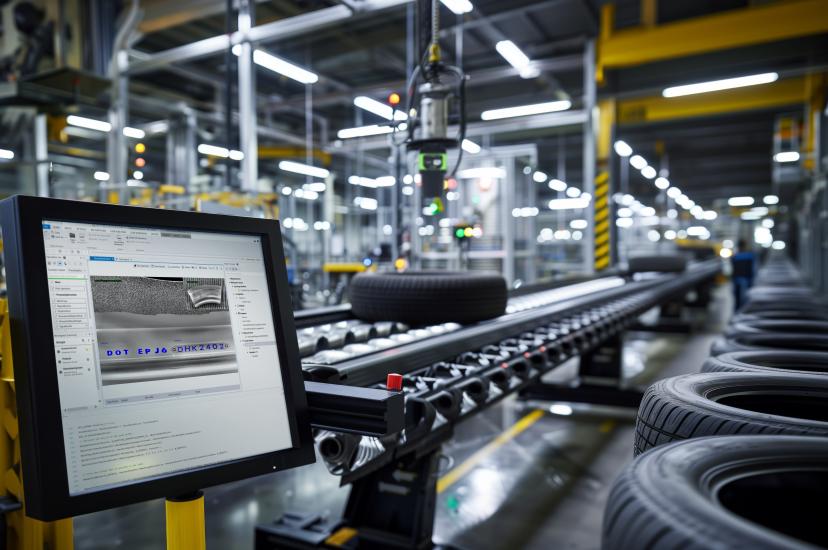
(394, 99)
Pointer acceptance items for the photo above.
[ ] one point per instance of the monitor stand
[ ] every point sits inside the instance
(185, 522)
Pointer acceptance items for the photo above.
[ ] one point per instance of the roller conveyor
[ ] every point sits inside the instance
(449, 372)
(452, 371)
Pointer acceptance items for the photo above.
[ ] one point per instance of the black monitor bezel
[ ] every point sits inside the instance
(46, 487)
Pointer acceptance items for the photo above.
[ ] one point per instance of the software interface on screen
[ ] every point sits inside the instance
(165, 351)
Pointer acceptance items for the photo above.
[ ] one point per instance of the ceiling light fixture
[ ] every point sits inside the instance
(379, 108)
(638, 162)
(516, 58)
(622, 148)
(662, 183)
(526, 110)
(281, 66)
(216, 151)
(470, 147)
(304, 169)
(770, 199)
(648, 172)
(102, 126)
(482, 172)
(557, 185)
(786, 156)
(568, 204)
(365, 131)
(718, 85)
(458, 6)
(740, 201)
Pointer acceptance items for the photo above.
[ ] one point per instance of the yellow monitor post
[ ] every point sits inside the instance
(185, 522)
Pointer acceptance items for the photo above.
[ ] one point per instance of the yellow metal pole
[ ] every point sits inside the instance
(185, 523)
(23, 532)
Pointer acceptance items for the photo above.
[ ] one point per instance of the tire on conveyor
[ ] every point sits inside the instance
(769, 361)
(770, 340)
(428, 297)
(698, 405)
(722, 492)
(784, 326)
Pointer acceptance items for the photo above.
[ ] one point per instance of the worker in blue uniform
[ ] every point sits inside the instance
(744, 269)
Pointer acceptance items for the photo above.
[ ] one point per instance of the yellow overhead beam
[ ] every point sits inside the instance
(790, 91)
(720, 31)
(268, 152)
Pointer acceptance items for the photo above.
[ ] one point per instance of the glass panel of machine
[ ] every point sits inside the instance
(165, 351)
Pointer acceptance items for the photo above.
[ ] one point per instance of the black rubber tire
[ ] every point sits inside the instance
(719, 493)
(780, 314)
(697, 405)
(769, 361)
(770, 340)
(782, 326)
(812, 306)
(428, 297)
(665, 264)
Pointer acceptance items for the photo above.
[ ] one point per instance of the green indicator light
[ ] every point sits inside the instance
(460, 233)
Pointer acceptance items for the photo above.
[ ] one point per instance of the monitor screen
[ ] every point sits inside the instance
(165, 351)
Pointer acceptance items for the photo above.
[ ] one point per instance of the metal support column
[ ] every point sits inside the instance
(506, 192)
(41, 155)
(181, 148)
(116, 153)
(248, 140)
(589, 153)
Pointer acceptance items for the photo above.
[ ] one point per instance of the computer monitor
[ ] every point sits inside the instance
(154, 352)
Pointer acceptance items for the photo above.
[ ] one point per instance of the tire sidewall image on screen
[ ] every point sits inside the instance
(163, 328)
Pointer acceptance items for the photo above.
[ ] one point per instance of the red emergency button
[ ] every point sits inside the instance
(394, 381)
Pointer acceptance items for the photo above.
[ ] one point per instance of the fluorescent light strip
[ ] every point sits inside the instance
(718, 85)
(526, 110)
(568, 204)
(786, 156)
(557, 185)
(281, 66)
(304, 169)
(221, 152)
(483, 172)
(648, 172)
(365, 131)
(90, 123)
(470, 147)
(458, 6)
(516, 58)
(622, 148)
(770, 199)
(638, 162)
(379, 108)
(539, 177)
(101, 176)
(740, 201)
(6, 154)
(366, 203)
(102, 126)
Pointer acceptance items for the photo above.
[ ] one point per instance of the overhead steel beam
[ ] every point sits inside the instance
(276, 30)
(658, 109)
(721, 31)
(163, 14)
(476, 78)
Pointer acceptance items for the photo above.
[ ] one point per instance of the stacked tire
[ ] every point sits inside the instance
(733, 457)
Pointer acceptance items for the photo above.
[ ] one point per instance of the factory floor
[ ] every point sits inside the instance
(516, 476)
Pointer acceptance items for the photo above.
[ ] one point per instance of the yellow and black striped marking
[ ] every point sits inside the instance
(602, 221)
